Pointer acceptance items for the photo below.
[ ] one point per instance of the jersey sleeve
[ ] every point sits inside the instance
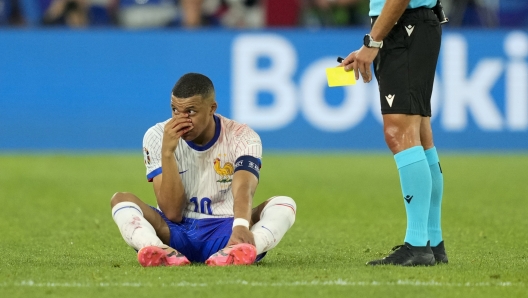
(248, 152)
(152, 151)
(248, 143)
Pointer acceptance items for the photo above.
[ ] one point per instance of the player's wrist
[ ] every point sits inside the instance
(240, 222)
(167, 153)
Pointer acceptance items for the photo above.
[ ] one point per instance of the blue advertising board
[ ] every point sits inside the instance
(102, 89)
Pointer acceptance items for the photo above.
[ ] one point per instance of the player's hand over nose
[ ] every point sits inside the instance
(360, 62)
(174, 129)
(241, 234)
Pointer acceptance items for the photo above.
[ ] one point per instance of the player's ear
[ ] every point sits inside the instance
(213, 107)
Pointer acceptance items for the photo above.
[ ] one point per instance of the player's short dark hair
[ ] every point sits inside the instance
(192, 84)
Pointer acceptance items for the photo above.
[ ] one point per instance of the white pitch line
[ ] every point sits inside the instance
(338, 282)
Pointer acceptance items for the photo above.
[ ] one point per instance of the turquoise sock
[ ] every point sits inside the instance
(415, 180)
(434, 227)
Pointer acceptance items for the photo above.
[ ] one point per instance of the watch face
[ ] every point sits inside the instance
(366, 40)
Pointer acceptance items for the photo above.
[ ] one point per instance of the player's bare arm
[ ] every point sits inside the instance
(360, 60)
(243, 186)
(168, 187)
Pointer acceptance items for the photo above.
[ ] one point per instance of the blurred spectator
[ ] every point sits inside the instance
(283, 13)
(335, 13)
(244, 14)
(472, 12)
(71, 13)
(191, 12)
(102, 12)
(159, 13)
(514, 13)
(146, 13)
(240, 13)
(233, 13)
(10, 13)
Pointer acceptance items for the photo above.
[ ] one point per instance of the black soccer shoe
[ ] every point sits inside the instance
(408, 255)
(439, 253)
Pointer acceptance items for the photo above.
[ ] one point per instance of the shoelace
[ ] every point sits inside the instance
(397, 247)
(397, 252)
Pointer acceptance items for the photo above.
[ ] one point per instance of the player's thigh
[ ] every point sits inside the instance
(153, 217)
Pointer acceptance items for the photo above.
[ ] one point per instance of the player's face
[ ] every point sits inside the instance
(200, 111)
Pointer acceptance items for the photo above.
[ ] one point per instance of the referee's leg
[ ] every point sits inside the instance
(434, 224)
(401, 131)
(402, 135)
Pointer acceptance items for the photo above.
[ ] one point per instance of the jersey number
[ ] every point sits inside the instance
(205, 205)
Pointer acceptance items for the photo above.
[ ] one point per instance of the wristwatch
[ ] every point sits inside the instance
(371, 43)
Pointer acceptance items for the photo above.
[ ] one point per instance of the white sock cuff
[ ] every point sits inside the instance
(280, 200)
(123, 205)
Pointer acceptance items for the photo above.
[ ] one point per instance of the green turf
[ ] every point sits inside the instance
(58, 238)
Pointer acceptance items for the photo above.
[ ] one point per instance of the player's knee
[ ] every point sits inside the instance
(284, 201)
(392, 139)
(119, 197)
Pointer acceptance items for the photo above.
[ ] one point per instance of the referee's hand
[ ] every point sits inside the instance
(360, 61)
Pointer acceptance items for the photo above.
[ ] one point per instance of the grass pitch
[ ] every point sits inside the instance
(58, 238)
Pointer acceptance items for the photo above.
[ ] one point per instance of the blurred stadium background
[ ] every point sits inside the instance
(95, 74)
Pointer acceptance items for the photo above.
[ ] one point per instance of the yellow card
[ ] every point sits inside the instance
(337, 76)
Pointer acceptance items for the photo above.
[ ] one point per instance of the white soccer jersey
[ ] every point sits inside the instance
(207, 171)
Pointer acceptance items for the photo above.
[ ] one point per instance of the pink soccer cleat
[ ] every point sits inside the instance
(238, 254)
(153, 256)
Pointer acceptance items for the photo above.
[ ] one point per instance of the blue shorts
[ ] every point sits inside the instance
(198, 239)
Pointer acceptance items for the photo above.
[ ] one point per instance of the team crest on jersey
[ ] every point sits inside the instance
(225, 171)
(147, 155)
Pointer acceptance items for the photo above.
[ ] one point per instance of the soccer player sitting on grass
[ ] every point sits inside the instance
(204, 169)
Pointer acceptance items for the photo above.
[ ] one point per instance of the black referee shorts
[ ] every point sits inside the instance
(406, 64)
